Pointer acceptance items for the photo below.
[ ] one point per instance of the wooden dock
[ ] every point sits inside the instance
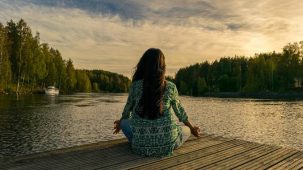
(207, 152)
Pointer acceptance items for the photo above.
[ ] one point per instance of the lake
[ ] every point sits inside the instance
(36, 123)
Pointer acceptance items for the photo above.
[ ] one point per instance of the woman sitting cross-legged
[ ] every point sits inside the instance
(147, 119)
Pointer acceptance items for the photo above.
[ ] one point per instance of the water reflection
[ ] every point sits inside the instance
(271, 122)
(38, 123)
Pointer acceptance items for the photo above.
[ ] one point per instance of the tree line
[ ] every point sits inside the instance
(265, 72)
(27, 65)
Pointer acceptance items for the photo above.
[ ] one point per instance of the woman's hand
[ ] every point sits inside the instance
(117, 127)
(195, 130)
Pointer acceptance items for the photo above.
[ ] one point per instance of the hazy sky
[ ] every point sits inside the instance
(113, 34)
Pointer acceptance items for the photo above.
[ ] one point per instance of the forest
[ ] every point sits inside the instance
(263, 73)
(28, 66)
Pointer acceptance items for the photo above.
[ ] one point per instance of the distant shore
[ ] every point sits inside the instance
(259, 95)
(32, 91)
(23, 91)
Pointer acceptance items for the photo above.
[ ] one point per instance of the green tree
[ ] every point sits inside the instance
(96, 87)
(223, 83)
(39, 71)
(5, 68)
(71, 77)
(183, 88)
(201, 86)
(289, 65)
(83, 81)
(19, 37)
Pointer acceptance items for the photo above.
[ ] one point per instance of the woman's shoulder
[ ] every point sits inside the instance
(170, 85)
(170, 88)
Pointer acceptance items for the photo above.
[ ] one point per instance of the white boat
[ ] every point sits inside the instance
(51, 90)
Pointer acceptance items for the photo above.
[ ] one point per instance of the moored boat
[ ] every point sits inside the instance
(51, 90)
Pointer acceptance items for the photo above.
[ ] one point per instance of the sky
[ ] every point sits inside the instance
(113, 34)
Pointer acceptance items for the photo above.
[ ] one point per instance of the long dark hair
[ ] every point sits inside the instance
(151, 69)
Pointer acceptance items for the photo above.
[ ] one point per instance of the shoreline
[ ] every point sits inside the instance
(40, 91)
(260, 95)
(265, 95)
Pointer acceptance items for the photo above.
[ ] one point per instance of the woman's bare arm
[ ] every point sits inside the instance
(195, 130)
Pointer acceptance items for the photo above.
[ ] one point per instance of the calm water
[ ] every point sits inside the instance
(38, 123)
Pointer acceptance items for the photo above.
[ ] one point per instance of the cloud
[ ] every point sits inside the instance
(112, 35)
(125, 9)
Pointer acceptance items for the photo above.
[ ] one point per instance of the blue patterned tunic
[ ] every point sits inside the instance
(154, 137)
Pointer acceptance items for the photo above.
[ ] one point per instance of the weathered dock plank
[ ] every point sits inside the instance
(157, 163)
(242, 158)
(268, 160)
(207, 152)
(290, 163)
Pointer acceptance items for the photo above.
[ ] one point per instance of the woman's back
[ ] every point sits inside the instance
(155, 137)
(147, 120)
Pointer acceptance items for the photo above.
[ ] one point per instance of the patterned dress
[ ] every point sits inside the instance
(154, 137)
